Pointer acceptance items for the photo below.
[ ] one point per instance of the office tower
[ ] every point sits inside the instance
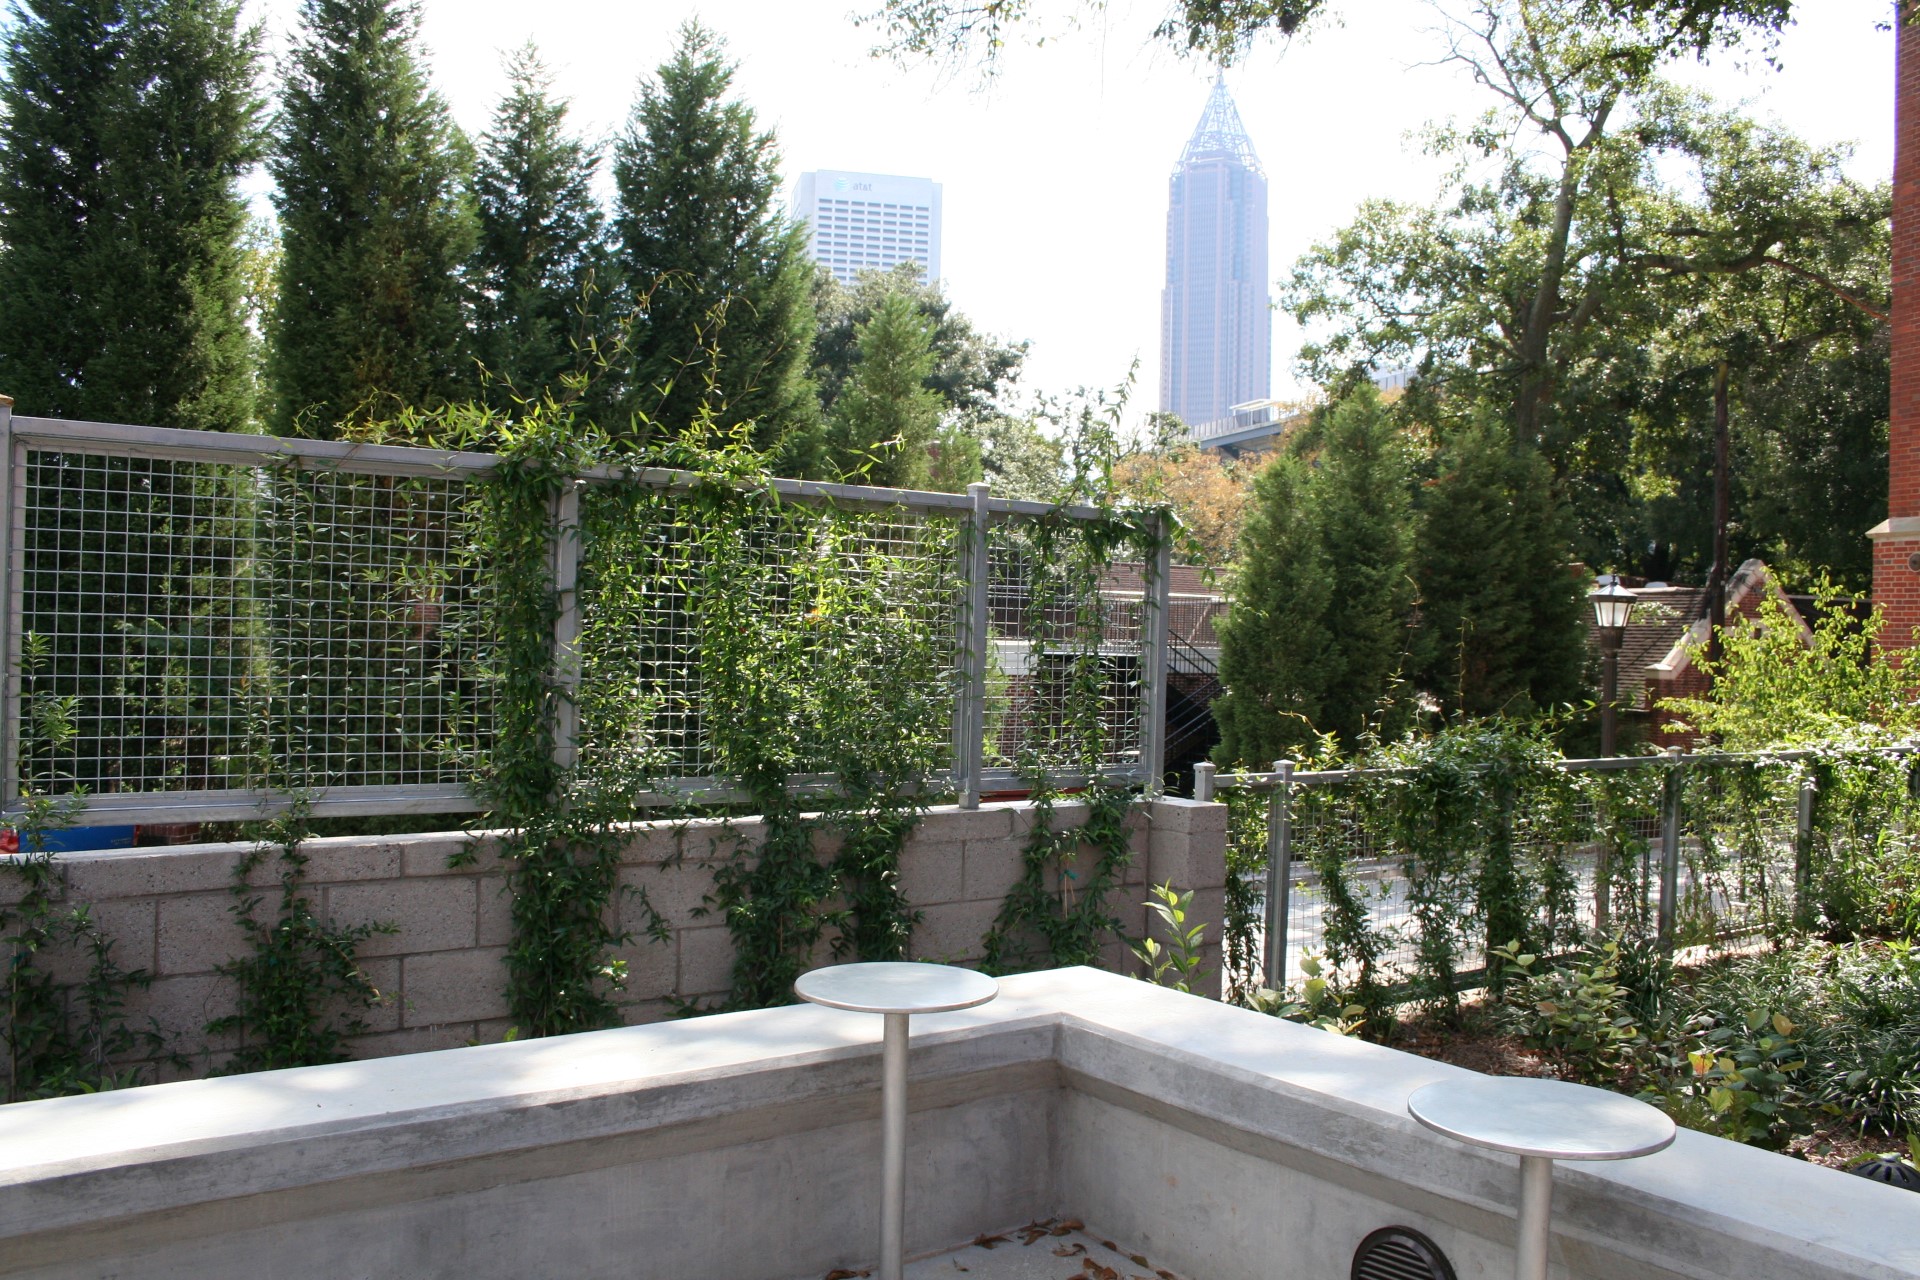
(870, 222)
(1216, 321)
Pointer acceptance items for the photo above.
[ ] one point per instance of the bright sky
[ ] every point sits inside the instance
(1055, 174)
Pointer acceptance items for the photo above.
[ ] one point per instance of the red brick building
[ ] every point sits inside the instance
(1896, 540)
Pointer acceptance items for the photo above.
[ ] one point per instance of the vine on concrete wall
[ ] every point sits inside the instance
(61, 1037)
(1058, 913)
(301, 988)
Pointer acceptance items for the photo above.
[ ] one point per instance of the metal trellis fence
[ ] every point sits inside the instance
(1707, 849)
(197, 624)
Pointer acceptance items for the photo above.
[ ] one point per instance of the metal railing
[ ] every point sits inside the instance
(179, 598)
(1683, 890)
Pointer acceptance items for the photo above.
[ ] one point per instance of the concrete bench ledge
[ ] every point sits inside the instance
(1219, 1142)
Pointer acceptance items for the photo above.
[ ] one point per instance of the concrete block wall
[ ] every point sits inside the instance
(169, 912)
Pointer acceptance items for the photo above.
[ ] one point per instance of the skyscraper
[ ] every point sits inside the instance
(1216, 321)
(870, 222)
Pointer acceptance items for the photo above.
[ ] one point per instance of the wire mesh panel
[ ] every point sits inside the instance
(1066, 662)
(1736, 872)
(865, 603)
(1359, 895)
(195, 626)
(203, 623)
(135, 619)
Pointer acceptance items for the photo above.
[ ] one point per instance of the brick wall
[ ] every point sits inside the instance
(169, 912)
(1896, 585)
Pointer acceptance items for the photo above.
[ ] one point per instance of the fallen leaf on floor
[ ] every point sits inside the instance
(987, 1242)
(847, 1275)
(1073, 1224)
(1069, 1250)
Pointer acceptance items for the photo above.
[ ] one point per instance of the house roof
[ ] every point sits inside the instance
(1669, 624)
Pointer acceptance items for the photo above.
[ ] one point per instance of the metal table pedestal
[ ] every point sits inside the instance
(896, 990)
(1540, 1121)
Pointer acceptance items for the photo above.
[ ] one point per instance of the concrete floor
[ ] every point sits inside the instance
(1050, 1250)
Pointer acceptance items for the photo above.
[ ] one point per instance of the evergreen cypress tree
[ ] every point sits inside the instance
(1500, 611)
(1318, 630)
(886, 417)
(719, 279)
(539, 241)
(126, 127)
(375, 228)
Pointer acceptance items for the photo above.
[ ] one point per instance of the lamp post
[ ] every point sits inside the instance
(1612, 606)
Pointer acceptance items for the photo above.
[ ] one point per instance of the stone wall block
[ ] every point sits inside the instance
(13, 886)
(495, 911)
(676, 892)
(127, 924)
(198, 932)
(454, 986)
(384, 973)
(183, 1007)
(706, 962)
(652, 969)
(451, 1035)
(951, 932)
(652, 843)
(428, 855)
(432, 915)
(947, 822)
(990, 868)
(98, 877)
(337, 858)
(932, 870)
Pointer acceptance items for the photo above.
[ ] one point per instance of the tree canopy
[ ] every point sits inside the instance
(376, 226)
(1605, 240)
(125, 127)
(715, 278)
(536, 306)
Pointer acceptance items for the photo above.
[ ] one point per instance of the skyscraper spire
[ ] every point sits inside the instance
(1216, 323)
(1220, 135)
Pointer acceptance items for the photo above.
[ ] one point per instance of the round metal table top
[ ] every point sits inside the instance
(1549, 1118)
(892, 986)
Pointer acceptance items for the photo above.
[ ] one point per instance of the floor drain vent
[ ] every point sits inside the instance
(1400, 1253)
(1895, 1172)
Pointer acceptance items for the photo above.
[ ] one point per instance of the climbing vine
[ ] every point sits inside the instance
(61, 1037)
(301, 989)
(1057, 912)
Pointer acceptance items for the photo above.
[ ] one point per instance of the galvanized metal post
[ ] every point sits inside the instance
(1536, 1214)
(970, 701)
(1156, 592)
(1803, 913)
(566, 626)
(1669, 850)
(1204, 780)
(893, 1146)
(10, 622)
(1279, 875)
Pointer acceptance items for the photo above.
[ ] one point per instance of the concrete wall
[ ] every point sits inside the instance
(1221, 1143)
(169, 911)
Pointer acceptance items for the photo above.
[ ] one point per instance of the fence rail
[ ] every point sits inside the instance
(180, 598)
(1683, 888)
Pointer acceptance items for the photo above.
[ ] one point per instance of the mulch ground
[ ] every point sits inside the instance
(1478, 1047)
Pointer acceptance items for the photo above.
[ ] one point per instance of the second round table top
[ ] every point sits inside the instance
(896, 986)
(1551, 1118)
